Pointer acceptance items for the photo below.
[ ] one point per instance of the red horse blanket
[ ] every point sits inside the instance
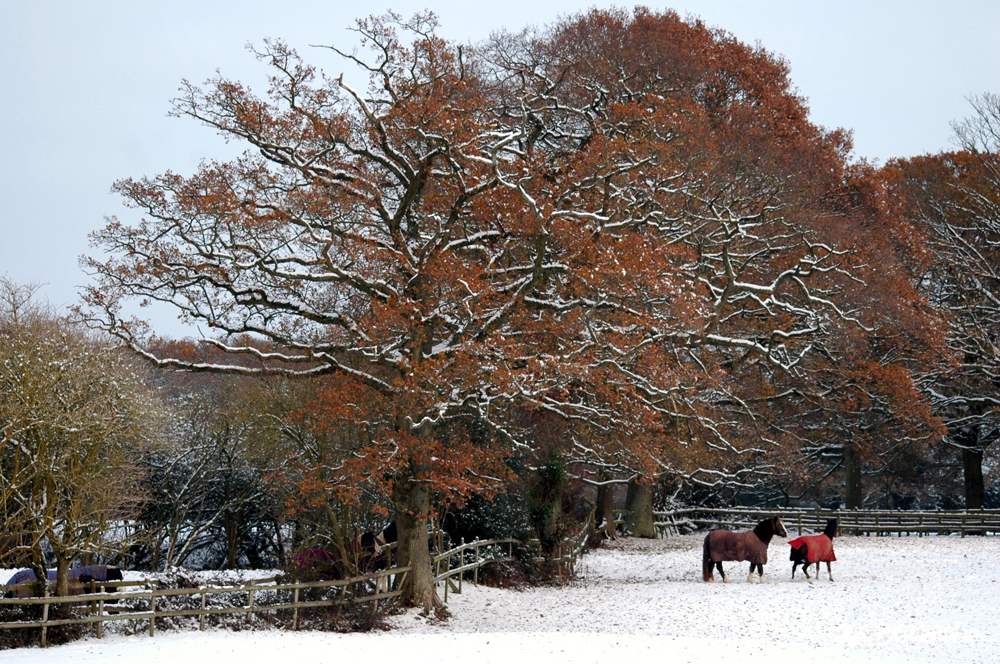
(727, 545)
(819, 548)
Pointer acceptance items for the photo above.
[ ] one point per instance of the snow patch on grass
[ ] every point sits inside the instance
(933, 599)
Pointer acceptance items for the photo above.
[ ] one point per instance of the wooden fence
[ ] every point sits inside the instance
(98, 605)
(856, 522)
(260, 596)
(465, 558)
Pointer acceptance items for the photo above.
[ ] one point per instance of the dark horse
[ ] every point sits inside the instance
(79, 579)
(815, 549)
(723, 545)
(365, 555)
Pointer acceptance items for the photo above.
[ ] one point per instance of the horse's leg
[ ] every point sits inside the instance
(828, 570)
(750, 576)
(760, 572)
(706, 562)
(722, 572)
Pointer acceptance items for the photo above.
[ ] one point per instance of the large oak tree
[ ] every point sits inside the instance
(623, 220)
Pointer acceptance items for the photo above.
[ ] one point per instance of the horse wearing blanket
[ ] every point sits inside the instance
(815, 549)
(79, 579)
(723, 545)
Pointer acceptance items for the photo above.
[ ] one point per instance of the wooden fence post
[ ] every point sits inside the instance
(201, 618)
(100, 614)
(250, 607)
(447, 568)
(475, 572)
(295, 610)
(152, 610)
(45, 619)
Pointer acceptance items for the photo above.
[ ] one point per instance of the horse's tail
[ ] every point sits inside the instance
(706, 560)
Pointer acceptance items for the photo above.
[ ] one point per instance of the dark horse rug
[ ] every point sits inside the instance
(726, 545)
(78, 577)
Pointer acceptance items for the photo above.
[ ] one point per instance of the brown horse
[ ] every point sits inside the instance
(723, 545)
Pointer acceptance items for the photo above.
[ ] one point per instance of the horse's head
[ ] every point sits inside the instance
(368, 543)
(832, 528)
(768, 528)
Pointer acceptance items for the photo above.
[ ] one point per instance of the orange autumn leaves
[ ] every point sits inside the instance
(624, 220)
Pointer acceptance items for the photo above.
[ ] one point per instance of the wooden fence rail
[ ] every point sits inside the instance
(287, 596)
(470, 558)
(859, 522)
(261, 595)
(108, 606)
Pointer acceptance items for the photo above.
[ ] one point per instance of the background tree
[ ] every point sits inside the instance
(74, 414)
(957, 198)
(859, 415)
(209, 503)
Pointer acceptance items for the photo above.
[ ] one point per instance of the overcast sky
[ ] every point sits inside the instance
(85, 88)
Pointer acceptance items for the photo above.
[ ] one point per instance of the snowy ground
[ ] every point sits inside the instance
(894, 600)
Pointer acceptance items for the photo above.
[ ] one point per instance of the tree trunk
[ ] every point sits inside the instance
(975, 489)
(852, 478)
(279, 544)
(41, 584)
(62, 576)
(639, 503)
(412, 499)
(605, 514)
(232, 530)
(545, 503)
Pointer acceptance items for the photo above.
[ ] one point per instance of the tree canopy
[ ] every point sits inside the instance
(624, 221)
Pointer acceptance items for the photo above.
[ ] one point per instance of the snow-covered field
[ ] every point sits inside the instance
(934, 599)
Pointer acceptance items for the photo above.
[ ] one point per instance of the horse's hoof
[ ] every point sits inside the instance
(712, 580)
(750, 579)
(725, 579)
(762, 580)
